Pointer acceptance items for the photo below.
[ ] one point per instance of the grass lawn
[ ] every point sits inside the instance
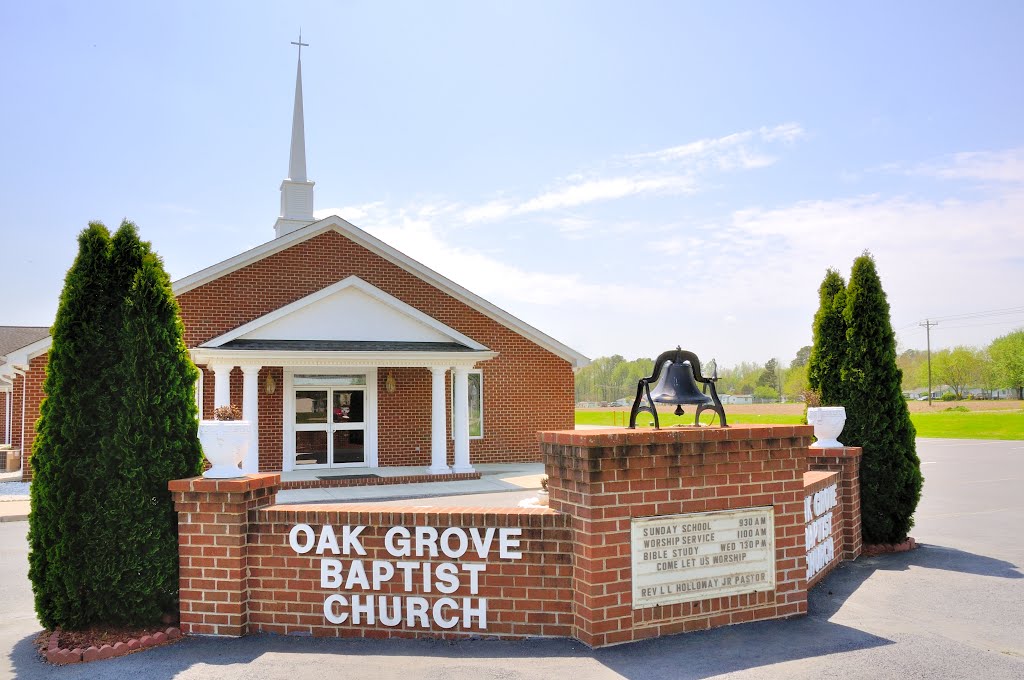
(621, 418)
(970, 425)
(989, 424)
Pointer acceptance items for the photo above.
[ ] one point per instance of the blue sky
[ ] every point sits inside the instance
(624, 176)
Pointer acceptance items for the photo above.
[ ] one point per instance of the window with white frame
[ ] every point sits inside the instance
(476, 404)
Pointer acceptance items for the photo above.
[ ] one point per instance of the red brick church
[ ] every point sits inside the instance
(344, 351)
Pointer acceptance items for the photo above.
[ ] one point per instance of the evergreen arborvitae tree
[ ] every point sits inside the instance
(828, 352)
(118, 423)
(154, 441)
(74, 418)
(877, 418)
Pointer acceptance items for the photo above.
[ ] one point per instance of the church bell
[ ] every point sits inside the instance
(675, 381)
(677, 386)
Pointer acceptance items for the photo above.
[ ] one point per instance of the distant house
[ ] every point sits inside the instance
(16, 345)
(736, 398)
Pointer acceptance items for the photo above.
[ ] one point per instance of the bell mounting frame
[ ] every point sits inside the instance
(643, 389)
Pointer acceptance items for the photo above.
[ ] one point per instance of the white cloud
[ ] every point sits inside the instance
(480, 272)
(742, 286)
(606, 190)
(988, 166)
(647, 174)
(493, 210)
(725, 153)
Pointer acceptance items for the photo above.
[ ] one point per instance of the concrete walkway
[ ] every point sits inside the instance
(500, 485)
(495, 478)
(14, 511)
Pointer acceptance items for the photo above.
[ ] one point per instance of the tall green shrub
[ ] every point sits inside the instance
(828, 351)
(877, 418)
(118, 562)
(74, 418)
(154, 441)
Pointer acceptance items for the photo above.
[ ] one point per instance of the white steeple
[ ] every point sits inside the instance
(296, 191)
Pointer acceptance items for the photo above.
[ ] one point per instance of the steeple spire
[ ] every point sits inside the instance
(297, 157)
(296, 190)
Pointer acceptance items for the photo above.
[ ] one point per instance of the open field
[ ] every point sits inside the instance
(980, 420)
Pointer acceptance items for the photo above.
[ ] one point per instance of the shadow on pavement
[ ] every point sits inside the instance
(948, 559)
(693, 655)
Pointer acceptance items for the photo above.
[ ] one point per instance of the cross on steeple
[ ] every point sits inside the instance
(300, 44)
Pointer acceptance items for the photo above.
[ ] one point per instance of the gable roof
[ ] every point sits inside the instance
(383, 250)
(15, 337)
(374, 245)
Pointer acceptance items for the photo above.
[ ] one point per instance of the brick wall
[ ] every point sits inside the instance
(213, 548)
(605, 479)
(404, 417)
(845, 461)
(240, 573)
(271, 420)
(34, 378)
(526, 388)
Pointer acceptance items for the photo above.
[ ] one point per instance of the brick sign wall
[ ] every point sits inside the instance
(366, 571)
(649, 533)
(608, 478)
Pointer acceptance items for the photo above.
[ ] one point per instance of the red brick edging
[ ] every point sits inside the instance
(61, 656)
(376, 481)
(875, 549)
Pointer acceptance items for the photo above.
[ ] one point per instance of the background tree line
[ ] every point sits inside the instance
(608, 379)
(960, 369)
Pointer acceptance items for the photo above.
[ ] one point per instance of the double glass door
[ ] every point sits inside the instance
(330, 426)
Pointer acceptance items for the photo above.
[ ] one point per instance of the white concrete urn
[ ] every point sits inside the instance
(225, 443)
(828, 422)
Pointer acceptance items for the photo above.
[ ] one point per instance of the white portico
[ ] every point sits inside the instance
(331, 345)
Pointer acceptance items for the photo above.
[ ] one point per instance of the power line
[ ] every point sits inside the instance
(969, 316)
(981, 315)
(992, 323)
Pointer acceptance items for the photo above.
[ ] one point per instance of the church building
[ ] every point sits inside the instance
(344, 352)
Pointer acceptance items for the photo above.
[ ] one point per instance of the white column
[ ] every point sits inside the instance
(221, 384)
(460, 423)
(7, 415)
(251, 413)
(438, 423)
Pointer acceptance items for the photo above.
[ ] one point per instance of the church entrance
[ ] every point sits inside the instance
(330, 422)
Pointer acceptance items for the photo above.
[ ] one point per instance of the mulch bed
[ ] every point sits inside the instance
(876, 549)
(62, 647)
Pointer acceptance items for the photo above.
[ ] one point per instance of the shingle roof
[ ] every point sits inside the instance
(16, 337)
(345, 346)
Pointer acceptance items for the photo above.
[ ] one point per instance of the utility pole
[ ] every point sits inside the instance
(928, 330)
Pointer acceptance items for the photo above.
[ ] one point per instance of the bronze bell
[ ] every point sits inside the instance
(677, 386)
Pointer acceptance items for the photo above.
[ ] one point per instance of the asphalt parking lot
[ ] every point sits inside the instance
(953, 608)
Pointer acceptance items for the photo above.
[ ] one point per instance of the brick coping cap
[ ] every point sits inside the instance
(816, 480)
(383, 509)
(233, 485)
(614, 436)
(844, 452)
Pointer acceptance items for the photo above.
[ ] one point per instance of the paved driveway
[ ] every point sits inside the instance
(952, 609)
